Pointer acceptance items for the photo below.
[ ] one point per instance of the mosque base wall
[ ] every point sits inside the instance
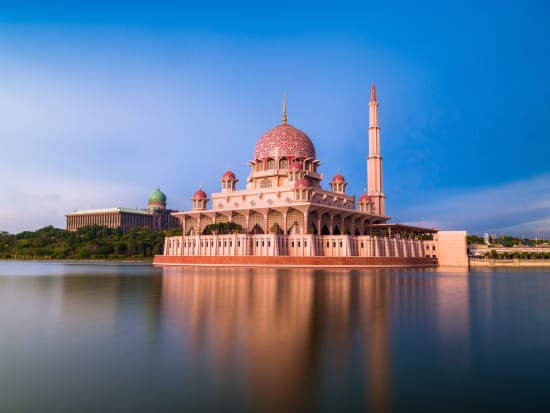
(294, 261)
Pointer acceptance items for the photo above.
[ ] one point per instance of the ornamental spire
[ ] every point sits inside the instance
(284, 110)
(373, 93)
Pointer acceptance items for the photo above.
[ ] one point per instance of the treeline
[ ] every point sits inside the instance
(93, 242)
(505, 241)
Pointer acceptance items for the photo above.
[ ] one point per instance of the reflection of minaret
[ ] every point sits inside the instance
(374, 160)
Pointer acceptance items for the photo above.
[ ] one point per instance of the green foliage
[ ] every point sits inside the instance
(474, 239)
(86, 243)
(222, 228)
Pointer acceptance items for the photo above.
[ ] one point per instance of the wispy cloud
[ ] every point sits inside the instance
(518, 208)
(34, 200)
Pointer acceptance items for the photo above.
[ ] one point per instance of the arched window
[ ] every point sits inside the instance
(259, 166)
(266, 183)
(270, 164)
(283, 163)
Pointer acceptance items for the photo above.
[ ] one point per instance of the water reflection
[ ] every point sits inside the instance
(122, 338)
(289, 335)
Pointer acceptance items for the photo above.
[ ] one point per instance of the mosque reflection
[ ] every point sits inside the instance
(290, 334)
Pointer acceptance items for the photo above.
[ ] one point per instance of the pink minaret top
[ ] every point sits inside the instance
(373, 93)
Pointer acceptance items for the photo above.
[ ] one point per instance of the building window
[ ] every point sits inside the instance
(269, 243)
(298, 244)
(266, 183)
(305, 244)
(362, 244)
(239, 244)
(292, 244)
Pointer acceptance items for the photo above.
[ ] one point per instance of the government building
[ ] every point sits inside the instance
(284, 216)
(155, 216)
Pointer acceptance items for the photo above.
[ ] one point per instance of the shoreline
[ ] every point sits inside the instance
(76, 260)
(492, 262)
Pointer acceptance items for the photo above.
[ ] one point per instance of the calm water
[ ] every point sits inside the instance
(133, 338)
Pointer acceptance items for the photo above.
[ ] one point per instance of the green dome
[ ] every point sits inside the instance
(157, 196)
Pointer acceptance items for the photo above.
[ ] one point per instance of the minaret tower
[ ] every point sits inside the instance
(374, 160)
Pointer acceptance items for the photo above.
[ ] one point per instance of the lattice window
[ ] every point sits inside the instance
(266, 183)
(221, 218)
(255, 222)
(283, 163)
(295, 222)
(275, 222)
(204, 222)
(270, 164)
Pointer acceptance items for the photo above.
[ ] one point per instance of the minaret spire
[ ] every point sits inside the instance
(284, 110)
(374, 160)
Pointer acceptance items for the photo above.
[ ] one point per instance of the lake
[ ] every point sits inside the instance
(107, 337)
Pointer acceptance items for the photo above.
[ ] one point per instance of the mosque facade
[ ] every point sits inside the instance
(284, 212)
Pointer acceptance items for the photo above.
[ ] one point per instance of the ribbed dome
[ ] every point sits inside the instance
(157, 196)
(284, 140)
(338, 178)
(302, 183)
(228, 176)
(200, 194)
(364, 199)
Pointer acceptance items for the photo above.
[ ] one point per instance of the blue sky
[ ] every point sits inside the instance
(101, 102)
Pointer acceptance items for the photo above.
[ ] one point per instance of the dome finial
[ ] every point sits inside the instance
(284, 110)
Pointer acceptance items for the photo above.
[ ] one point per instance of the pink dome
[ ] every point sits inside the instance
(284, 140)
(364, 199)
(302, 183)
(229, 176)
(338, 178)
(296, 166)
(200, 194)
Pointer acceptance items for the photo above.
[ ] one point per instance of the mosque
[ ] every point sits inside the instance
(284, 216)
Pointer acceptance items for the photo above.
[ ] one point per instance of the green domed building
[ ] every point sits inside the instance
(155, 216)
(157, 200)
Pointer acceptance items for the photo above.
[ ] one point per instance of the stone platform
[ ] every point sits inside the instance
(295, 262)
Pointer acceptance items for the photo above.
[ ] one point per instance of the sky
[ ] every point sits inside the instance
(103, 101)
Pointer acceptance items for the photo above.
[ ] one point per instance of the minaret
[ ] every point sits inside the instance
(374, 160)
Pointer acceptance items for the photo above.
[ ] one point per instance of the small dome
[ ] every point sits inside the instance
(229, 176)
(157, 196)
(338, 178)
(200, 194)
(302, 183)
(364, 199)
(295, 166)
(284, 140)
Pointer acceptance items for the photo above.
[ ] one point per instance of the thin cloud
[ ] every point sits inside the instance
(517, 208)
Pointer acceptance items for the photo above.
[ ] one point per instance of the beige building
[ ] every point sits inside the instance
(155, 216)
(284, 210)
